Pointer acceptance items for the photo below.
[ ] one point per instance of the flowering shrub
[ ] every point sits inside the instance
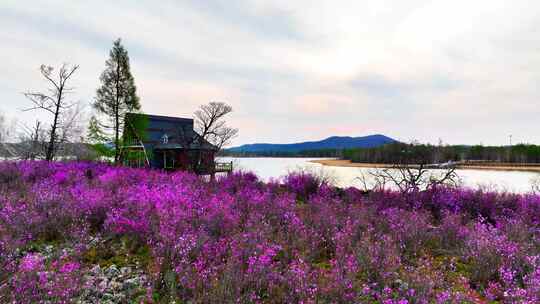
(238, 239)
(36, 281)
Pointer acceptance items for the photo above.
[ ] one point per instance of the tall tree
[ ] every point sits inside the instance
(54, 102)
(117, 94)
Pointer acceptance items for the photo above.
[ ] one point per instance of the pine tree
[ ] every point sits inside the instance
(117, 94)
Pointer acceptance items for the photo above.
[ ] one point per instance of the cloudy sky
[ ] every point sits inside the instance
(465, 71)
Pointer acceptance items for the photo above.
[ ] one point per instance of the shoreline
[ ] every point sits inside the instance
(348, 163)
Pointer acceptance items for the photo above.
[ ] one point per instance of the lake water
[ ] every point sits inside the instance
(267, 168)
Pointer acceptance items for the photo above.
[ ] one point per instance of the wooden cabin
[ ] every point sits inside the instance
(168, 143)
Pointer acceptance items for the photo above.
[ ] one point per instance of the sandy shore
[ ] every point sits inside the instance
(348, 163)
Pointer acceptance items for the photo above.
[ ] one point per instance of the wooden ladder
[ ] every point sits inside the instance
(140, 144)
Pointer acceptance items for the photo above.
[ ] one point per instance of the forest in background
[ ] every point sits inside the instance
(426, 153)
(302, 153)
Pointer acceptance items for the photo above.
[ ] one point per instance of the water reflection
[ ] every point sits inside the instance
(267, 168)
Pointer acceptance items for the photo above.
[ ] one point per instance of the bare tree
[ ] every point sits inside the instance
(535, 185)
(7, 131)
(71, 137)
(410, 178)
(413, 172)
(32, 142)
(210, 131)
(3, 128)
(210, 124)
(7, 128)
(71, 126)
(54, 101)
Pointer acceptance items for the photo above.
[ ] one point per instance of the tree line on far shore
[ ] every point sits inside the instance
(436, 154)
(302, 153)
(414, 152)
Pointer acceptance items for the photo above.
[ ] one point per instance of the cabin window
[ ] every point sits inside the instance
(168, 160)
(165, 139)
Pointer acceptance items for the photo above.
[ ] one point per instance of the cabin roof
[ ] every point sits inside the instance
(178, 131)
(163, 118)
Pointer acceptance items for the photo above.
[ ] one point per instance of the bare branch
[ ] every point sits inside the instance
(46, 71)
(211, 130)
(54, 102)
(40, 101)
(412, 173)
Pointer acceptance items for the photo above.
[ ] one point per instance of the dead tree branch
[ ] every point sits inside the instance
(53, 102)
(412, 172)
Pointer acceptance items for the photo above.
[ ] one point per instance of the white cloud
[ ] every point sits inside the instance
(411, 69)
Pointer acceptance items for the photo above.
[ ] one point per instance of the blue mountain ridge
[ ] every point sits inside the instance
(334, 142)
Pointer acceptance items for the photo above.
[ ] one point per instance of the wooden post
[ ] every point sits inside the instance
(230, 170)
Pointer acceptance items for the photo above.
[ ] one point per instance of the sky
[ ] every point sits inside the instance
(463, 71)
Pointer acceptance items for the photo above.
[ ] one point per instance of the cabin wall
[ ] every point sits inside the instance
(156, 157)
(183, 160)
(208, 158)
(186, 159)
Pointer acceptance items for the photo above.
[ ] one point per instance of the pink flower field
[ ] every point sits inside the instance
(90, 233)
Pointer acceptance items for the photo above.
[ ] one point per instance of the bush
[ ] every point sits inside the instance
(297, 239)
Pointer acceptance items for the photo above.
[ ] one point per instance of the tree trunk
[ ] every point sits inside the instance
(116, 136)
(117, 115)
(49, 156)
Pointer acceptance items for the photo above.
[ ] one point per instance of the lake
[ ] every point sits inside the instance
(268, 167)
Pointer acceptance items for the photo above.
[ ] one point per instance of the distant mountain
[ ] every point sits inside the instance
(334, 142)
